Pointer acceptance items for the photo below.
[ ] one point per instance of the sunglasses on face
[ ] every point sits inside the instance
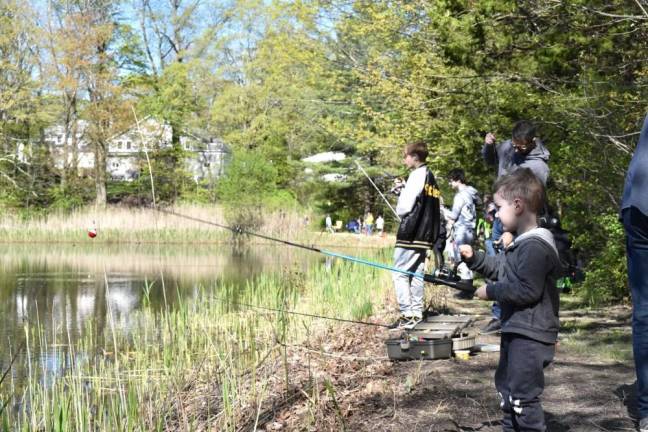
(522, 145)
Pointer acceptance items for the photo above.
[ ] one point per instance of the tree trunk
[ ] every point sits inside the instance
(100, 172)
(75, 143)
(66, 140)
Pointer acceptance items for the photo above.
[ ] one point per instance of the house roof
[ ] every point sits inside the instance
(325, 157)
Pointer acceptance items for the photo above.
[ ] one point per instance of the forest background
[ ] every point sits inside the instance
(280, 80)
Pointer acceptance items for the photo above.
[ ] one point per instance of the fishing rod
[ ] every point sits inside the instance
(148, 160)
(442, 276)
(378, 190)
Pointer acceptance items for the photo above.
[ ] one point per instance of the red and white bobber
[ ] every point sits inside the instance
(92, 231)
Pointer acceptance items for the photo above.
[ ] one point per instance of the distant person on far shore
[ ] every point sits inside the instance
(352, 226)
(369, 223)
(380, 226)
(329, 224)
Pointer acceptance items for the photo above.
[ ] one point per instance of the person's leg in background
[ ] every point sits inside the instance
(636, 227)
(490, 250)
(463, 236)
(496, 311)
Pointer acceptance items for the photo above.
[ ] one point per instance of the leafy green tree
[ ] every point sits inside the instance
(450, 71)
(247, 188)
(274, 102)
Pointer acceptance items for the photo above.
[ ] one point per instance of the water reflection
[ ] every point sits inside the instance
(66, 288)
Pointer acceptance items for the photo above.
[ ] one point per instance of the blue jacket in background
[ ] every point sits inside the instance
(635, 192)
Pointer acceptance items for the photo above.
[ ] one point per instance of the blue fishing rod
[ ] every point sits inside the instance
(443, 276)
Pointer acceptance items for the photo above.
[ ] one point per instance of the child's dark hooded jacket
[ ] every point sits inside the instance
(525, 284)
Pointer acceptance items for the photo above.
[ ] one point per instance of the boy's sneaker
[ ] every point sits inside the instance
(643, 425)
(412, 322)
(400, 322)
(494, 326)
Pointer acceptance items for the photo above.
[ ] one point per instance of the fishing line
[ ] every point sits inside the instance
(291, 312)
(148, 160)
(436, 277)
(11, 362)
(378, 190)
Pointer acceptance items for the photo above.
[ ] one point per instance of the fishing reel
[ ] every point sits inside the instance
(448, 277)
(398, 186)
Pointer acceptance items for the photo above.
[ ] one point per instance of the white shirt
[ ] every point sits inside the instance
(412, 189)
(380, 223)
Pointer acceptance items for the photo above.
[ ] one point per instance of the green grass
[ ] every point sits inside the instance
(599, 334)
(602, 345)
(213, 350)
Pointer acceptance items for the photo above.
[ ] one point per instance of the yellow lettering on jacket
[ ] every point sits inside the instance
(432, 191)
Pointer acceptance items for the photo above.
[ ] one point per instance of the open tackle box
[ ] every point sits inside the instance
(436, 337)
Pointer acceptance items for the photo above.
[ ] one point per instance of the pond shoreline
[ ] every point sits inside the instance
(113, 380)
(121, 225)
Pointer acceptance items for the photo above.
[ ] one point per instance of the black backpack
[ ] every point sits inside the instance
(566, 253)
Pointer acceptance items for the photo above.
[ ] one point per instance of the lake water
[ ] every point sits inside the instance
(70, 289)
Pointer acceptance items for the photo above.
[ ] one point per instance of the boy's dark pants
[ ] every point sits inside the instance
(519, 379)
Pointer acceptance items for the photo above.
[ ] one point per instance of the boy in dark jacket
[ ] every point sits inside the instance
(524, 283)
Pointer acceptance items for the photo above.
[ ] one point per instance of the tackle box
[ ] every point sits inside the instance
(424, 349)
(435, 338)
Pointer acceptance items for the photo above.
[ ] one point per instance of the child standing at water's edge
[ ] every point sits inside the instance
(524, 283)
(419, 210)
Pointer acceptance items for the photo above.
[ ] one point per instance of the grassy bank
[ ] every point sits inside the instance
(211, 364)
(116, 224)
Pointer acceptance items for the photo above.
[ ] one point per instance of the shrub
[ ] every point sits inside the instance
(606, 273)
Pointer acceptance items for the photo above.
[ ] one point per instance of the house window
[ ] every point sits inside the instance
(119, 145)
(206, 164)
(115, 164)
(59, 138)
(128, 145)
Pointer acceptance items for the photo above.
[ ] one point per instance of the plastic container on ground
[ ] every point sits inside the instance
(427, 349)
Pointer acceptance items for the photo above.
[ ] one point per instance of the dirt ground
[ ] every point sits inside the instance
(344, 381)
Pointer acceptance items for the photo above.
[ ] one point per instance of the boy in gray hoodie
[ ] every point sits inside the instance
(461, 222)
(524, 283)
(523, 150)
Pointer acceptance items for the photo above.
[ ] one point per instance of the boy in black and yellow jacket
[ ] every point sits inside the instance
(419, 211)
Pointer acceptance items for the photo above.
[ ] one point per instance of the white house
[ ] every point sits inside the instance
(322, 158)
(55, 138)
(126, 149)
(207, 157)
